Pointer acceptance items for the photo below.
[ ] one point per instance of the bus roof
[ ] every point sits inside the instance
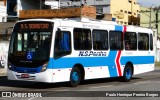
(89, 21)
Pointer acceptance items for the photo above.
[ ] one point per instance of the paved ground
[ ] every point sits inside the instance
(87, 90)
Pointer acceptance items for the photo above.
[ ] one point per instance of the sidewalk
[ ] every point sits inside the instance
(3, 72)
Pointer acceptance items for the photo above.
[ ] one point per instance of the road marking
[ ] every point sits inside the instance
(31, 98)
(142, 82)
(100, 87)
(59, 90)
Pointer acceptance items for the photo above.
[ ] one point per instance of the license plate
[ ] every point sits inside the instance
(25, 76)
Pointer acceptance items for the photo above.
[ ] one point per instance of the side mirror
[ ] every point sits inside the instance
(58, 30)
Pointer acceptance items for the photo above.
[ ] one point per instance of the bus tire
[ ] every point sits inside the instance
(75, 77)
(128, 72)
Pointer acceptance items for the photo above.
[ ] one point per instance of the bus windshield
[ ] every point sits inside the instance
(30, 44)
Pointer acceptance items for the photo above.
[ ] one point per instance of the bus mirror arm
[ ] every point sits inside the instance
(58, 30)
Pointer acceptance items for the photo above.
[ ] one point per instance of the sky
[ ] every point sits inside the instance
(149, 3)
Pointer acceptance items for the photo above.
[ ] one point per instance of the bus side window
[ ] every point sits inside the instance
(151, 42)
(82, 39)
(130, 39)
(143, 41)
(116, 42)
(100, 39)
(62, 43)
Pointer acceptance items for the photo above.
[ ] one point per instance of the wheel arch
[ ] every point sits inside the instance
(80, 66)
(129, 63)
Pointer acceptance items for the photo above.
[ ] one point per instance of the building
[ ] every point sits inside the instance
(148, 18)
(3, 11)
(126, 14)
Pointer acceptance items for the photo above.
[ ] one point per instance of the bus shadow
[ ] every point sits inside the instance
(38, 85)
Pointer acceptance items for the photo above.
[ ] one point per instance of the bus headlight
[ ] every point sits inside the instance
(44, 67)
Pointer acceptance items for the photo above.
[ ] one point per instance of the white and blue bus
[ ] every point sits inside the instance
(61, 50)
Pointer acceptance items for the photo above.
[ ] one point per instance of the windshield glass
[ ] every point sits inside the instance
(30, 44)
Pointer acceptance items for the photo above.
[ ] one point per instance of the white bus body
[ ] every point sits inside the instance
(102, 58)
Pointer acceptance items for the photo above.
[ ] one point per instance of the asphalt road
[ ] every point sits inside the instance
(96, 89)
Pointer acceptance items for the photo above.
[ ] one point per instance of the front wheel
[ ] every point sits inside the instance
(128, 72)
(75, 77)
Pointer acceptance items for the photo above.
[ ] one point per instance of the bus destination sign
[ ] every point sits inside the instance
(34, 26)
(39, 25)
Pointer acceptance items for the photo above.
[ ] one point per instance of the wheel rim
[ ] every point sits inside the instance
(75, 76)
(128, 73)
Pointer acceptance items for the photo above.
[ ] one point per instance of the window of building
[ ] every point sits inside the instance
(130, 1)
(100, 39)
(130, 41)
(143, 41)
(129, 12)
(125, 11)
(99, 10)
(12, 7)
(115, 40)
(121, 10)
(82, 39)
(151, 42)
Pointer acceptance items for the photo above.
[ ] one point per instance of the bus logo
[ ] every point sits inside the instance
(29, 55)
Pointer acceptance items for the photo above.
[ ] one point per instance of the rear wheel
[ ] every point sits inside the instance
(128, 72)
(75, 77)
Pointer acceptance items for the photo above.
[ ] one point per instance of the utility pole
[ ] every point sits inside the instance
(150, 19)
(40, 4)
(148, 15)
(157, 20)
(157, 10)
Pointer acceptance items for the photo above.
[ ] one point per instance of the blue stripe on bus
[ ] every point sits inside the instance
(87, 61)
(118, 28)
(100, 61)
(137, 59)
(112, 66)
(109, 61)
